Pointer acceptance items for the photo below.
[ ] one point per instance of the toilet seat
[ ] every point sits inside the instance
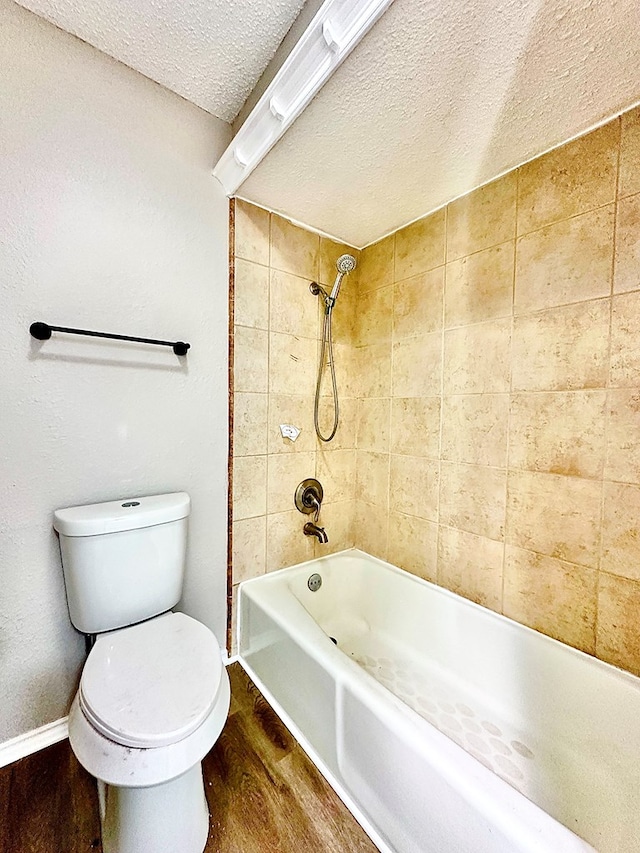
(128, 767)
(153, 684)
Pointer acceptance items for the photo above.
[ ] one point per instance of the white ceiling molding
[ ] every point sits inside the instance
(286, 46)
(335, 30)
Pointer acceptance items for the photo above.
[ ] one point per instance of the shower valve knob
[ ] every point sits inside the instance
(308, 496)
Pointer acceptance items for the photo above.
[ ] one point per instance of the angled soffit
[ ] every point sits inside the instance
(441, 97)
(211, 52)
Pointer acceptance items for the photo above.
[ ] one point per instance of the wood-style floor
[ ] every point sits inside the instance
(264, 794)
(48, 804)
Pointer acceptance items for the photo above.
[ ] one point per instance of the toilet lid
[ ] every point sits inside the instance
(151, 684)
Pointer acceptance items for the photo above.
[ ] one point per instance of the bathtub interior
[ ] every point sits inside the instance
(558, 726)
(402, 779)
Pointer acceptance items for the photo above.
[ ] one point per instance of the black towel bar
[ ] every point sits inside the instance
(42, 331)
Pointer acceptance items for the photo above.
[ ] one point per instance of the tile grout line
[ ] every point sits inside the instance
(518, 236)
(553, 222)
(531, 313)
(269, 400)
(439, 525)
(355, 337)
(392, 341)
(509, 408)
(616, 203)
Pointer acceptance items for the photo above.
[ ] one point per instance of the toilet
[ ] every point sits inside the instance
(154, 694)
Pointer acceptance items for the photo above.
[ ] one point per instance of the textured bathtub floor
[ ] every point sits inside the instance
(264, 794)
(450, 707)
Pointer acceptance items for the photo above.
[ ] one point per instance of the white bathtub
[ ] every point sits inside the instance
(418, 672)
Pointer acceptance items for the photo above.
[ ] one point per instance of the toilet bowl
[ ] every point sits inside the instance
(152, 701)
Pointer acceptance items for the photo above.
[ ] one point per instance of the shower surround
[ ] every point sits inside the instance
(491, 388)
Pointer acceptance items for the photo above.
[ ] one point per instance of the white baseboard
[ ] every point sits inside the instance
(33, 741)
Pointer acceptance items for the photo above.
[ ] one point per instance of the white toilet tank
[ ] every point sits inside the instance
(123, 560)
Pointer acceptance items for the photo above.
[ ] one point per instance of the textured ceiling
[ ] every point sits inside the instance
(442, 96)
(212, 52)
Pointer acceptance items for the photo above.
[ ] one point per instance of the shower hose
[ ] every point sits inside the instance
(327, 344)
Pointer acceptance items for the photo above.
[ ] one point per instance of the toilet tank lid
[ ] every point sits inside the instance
(123, 514)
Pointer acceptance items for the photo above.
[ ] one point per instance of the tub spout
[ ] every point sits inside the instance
(311, 529)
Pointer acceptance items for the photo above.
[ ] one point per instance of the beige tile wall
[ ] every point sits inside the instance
(498, 445)
(489, 369)
(277, 327)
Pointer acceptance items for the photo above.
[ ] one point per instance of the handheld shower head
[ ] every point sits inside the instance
(345, 264)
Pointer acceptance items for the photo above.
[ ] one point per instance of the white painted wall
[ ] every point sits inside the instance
(109, 219)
